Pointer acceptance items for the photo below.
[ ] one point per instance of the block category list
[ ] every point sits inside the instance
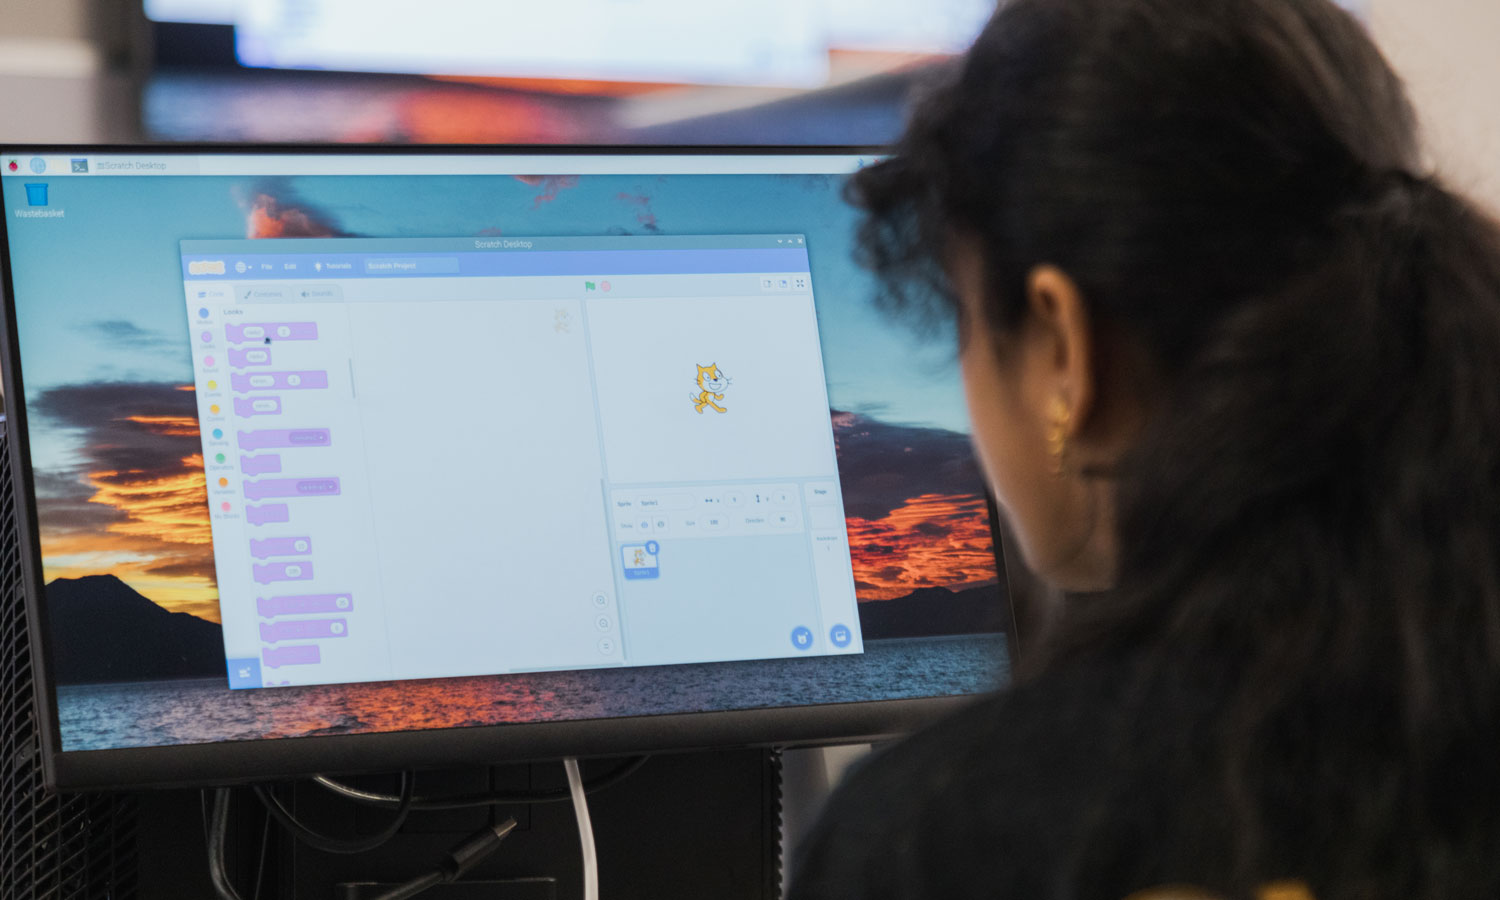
(268, 413)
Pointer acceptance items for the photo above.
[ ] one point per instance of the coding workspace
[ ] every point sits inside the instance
(440, 457)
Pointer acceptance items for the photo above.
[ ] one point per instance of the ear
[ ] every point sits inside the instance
(1066, 339)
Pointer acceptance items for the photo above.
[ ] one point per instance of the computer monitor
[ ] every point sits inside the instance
(780, 42)
(339, 460)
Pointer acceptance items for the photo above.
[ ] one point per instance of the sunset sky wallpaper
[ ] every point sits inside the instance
(111, 411)
(108, 383)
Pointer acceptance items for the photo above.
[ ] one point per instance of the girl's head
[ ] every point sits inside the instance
(1233, 357)
(1107, 192)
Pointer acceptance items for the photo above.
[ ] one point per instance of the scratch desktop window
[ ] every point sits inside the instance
(442, 457)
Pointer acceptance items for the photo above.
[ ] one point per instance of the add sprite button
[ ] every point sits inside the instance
(244, 673)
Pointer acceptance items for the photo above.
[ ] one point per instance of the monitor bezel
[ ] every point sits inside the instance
(230, 762)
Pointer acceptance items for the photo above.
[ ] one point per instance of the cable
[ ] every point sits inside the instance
(329, 844)
(265, 843)
(461, 859)
(465, 801)
(585, 830)
(217, 830)
(407, 800)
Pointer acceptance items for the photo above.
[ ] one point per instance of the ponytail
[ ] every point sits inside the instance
(1316, 517)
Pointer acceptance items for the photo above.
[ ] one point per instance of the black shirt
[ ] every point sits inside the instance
(1043, 791)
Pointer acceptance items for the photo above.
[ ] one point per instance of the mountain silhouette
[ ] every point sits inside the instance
(103, 630)
(928, 612)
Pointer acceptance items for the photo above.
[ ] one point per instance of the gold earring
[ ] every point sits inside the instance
(1057, 433)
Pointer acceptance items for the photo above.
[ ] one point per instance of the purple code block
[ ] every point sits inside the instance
(267, 464)
(303, 630)
(270, 607)
(251, 356)
(291, 487)
(268, 514)
(290, 571)
(300, 655)
(285, 546)
(276, 331)
(281, 438)
(279, 381)
(257, 406)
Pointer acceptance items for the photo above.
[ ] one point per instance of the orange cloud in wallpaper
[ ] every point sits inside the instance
(134, 505)
(915, 506)
(934, 540)
(550, 186)
(274, 212)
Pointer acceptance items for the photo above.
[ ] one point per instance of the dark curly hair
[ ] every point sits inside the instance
(1312, 515)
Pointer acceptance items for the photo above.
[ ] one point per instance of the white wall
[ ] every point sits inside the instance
(1446, 50)
(48, 37)
(53, 87)
(45, 18)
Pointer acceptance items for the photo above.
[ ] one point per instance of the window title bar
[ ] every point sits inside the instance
(498, 243)
(63, 163)
(316, 259)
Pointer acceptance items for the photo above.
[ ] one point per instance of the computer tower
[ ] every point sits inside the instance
(54, 847)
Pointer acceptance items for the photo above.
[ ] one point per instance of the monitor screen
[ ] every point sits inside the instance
(773, 42)
(764, 42)
(345, 460)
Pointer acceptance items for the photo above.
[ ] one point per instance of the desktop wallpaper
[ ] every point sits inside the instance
(122, 509)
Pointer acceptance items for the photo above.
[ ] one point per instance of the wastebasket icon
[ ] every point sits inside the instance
(36, 194)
